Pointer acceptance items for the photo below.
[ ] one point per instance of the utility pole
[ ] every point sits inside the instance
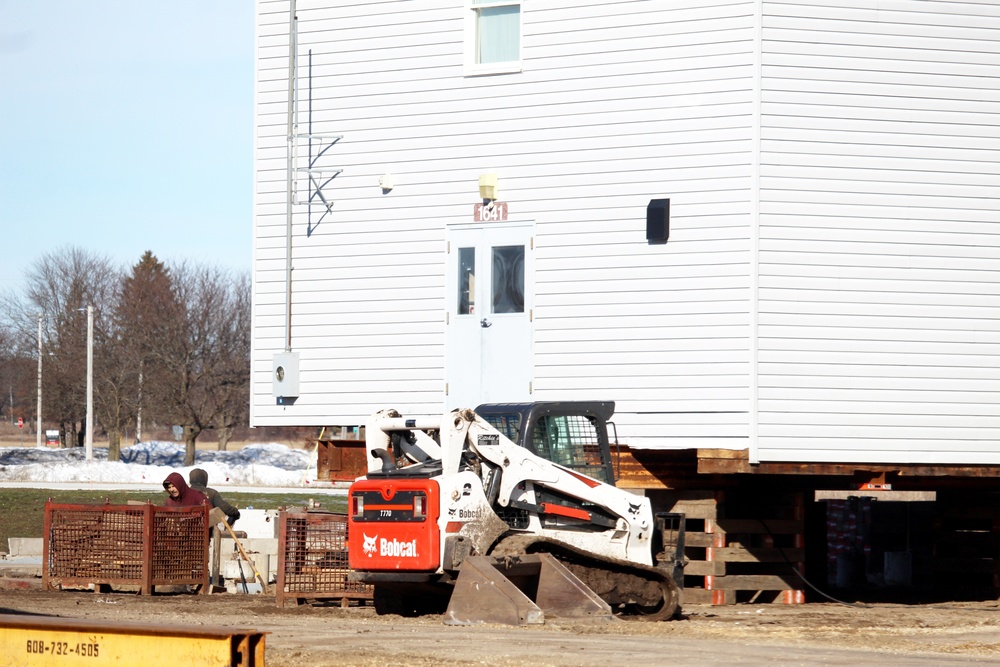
(89, 437)
(38, 412)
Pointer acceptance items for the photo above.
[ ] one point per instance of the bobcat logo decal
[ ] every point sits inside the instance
(369, 545)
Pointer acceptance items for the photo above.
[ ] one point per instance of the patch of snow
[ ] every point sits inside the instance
(145, 463)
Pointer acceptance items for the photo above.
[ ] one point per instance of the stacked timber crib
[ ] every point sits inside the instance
(740, 546)
(115, 546)
(312, 559)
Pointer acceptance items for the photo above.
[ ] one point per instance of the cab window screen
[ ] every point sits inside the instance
(508, 424)
(570, 441)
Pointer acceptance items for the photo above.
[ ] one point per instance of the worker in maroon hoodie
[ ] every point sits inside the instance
(179, 494)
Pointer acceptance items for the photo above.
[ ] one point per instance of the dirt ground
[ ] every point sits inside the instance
(748, 635)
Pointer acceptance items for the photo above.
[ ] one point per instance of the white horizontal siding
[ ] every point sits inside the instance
(879, 307)
(633, 326)
(877, 311)
(618, 103)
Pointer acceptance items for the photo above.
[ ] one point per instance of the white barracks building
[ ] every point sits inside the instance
(754, 225)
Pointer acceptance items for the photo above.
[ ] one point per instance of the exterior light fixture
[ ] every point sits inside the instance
(488, 187)
(386, 182)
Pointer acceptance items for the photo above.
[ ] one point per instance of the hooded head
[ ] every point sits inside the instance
(176, 480)
(198, 478)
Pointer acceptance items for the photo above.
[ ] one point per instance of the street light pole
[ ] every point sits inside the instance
(90, 384)
(38, 412)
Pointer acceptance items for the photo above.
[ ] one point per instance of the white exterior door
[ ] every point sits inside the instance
(489, 355)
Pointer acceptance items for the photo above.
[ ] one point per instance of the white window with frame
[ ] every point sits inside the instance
(492, 37)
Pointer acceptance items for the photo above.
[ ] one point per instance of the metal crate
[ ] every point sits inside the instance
(312, 559)
(125, 545)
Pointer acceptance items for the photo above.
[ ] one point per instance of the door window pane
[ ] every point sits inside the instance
(466, 281)
(508, 279)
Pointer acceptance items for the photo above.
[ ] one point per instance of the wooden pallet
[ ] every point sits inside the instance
(740, 551)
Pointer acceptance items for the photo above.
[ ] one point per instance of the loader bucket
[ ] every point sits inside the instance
(520, 590)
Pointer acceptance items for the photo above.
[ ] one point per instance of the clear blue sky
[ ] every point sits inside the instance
(126, 126)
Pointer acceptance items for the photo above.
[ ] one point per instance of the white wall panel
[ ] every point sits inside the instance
(878, 311)
(618, 103)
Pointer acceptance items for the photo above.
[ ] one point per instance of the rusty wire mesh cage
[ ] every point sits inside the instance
(124, 545)
(180, 541)
(312, 559)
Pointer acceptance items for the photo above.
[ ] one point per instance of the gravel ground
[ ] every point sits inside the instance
(747, 635)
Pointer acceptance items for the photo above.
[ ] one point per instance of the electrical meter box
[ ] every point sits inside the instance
(285, 376)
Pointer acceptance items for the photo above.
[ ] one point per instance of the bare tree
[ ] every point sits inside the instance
(7, 356)
(234, 373)
(60, 285)
(173, 344)
(17, 378)
(204, 353)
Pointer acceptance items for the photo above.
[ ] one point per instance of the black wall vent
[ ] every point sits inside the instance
(658, 221)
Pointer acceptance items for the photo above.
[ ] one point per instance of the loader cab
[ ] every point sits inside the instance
(573, 434)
